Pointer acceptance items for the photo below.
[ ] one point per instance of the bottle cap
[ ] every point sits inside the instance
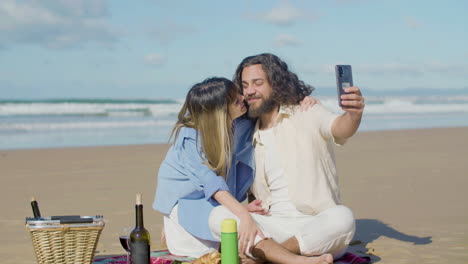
(229, 226)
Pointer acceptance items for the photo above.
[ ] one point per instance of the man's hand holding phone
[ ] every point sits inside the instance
(350, 98)
(352, 101)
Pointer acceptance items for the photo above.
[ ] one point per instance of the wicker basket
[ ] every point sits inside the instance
(58, 243)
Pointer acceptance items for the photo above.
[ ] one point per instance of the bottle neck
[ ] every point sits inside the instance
(139, 215)
(35, 208)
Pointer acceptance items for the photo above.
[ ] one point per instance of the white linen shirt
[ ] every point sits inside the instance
(305, 149)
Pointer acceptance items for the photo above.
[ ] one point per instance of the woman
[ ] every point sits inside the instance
(192, 178)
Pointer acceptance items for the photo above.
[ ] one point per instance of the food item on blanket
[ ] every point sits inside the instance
(139, 237)
(35, 208)
(209, 258)
(229, 250)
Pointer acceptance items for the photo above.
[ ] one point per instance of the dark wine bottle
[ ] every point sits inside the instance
(35, 208)
(139, 237)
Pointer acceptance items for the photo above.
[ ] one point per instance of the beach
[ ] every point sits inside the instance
(406, 189)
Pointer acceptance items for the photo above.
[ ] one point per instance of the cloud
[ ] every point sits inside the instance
(284, 14)
(160, 3)
(55, 23)
(349, 1)
(286, 40)
(448, 68)
(398, 69)
(390, 68)
(318, 69)
(155, 59)
(168, 32)
(415, 70)
(76, 8)
(413, 23)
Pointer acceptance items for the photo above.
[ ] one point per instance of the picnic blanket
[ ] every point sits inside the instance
(157, 257)
(350, 258)
(164, 257)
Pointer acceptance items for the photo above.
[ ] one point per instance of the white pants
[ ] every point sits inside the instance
(330, 231)
(182, 243)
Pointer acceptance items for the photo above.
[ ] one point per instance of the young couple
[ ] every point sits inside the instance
(281, 155)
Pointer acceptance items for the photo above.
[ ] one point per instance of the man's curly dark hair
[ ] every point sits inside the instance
(287, 88)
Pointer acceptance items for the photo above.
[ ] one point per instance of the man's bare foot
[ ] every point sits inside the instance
(323, 259)
(273, 252)
(326, 258)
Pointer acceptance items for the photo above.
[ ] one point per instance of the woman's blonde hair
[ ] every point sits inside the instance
(206, 110)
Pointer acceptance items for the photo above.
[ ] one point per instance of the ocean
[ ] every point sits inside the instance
(26, 124)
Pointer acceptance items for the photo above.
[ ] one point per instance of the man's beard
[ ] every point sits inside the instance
(267, 106)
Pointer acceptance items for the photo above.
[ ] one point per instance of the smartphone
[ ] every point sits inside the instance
(344, 79)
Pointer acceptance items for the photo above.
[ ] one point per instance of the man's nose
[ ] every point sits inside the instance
(249, 90)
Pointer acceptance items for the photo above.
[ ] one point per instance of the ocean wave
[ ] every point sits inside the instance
(407, 105)
(168, 109)
(82, 109)
(91, 101)
(42, 126)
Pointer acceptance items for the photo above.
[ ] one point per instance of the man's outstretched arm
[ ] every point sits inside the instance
(347, 124)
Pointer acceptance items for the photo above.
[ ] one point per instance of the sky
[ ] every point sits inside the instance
(158, 49)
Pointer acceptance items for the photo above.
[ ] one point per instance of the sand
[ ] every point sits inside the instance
(406, 188)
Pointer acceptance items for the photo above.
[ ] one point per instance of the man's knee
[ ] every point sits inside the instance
(348, 223)
(332, 235)
(342, 219)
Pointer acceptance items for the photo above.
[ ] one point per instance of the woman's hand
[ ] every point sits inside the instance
(308, 102)
(248, 230)
(163, 236)
(256, 207)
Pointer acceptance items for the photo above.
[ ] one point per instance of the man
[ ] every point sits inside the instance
(295, 178)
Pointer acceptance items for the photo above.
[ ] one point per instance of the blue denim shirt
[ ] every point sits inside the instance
(184, 179)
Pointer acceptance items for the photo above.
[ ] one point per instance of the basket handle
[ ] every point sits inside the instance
(58, 217)
(76, 220)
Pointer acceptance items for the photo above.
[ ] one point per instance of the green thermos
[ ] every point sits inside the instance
(229, 250)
